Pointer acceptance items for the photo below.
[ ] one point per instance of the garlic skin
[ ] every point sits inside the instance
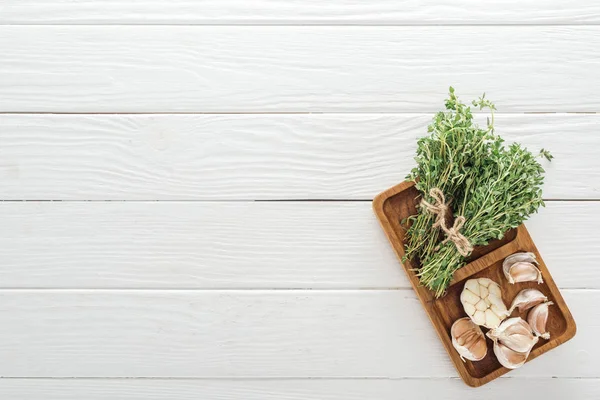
(482, 301)
(509, 358)
(526, 299)
(521, 267)
(537, 319)
(468, 340)
(514, 333)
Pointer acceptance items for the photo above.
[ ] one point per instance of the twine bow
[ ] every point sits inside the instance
(440, 208)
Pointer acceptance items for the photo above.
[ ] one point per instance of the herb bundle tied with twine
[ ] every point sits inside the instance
(465, 173)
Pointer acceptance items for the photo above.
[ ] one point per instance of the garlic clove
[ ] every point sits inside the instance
(483, 303)
(491, 318)
(537, 319)
(521, 267)
(479, 348)
(496, 301)
(483, 292)
(468, 339)
(509, 358)
(485, 282)
(526, 299)
(473, 286)
(469, 308)
(495, 290)
(514, 333)
(479, 317)
(524, 272)
(519, 257)
(469, 297)
(499, 311)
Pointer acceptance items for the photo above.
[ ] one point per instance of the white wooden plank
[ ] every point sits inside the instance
(328, 245)
(561, 226)
(295, 69)
(294, 389)
(261, 12)
(194, 245)
(223, 334)
(233, 157)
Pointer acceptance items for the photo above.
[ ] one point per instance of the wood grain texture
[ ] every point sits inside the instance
(233, 157)
(401, 202)
(261, 12)
(295, 69)
(293, 389)
(329, 245)
(344, 334)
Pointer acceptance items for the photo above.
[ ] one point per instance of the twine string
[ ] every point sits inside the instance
(439, 208)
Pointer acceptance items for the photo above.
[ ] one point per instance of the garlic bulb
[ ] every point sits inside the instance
(468, 339)
(509, 358)
(514, 333)
(526, 299)
(521, 267)
(537, 319)
(482, 301)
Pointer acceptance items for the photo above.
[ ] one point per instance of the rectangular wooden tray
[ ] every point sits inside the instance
(401, 201)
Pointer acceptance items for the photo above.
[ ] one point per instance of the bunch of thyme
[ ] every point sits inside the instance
(447, 159)
(494, 187)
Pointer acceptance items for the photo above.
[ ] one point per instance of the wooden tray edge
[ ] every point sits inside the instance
(422, 293)
(426, 298)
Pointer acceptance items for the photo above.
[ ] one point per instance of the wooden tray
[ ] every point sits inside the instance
(400, 202)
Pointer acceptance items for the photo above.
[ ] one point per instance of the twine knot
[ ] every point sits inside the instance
(440, 208)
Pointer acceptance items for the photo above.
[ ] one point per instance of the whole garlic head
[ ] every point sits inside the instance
(482, 301)
(514, 333)
(537, 319)
(526, 299)
(521, 267)
(468, 339)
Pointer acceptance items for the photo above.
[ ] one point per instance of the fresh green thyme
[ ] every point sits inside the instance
(546, 154)
(495, 187)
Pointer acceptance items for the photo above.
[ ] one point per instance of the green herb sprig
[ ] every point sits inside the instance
(494, 187)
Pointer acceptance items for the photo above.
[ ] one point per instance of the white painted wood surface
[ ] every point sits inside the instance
(242, 245)
(305, 12)
(181, 286)
(294, 389)
(234, 157)
(247, 334)
(296, 68)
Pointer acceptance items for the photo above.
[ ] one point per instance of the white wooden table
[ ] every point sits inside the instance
(198, 177)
